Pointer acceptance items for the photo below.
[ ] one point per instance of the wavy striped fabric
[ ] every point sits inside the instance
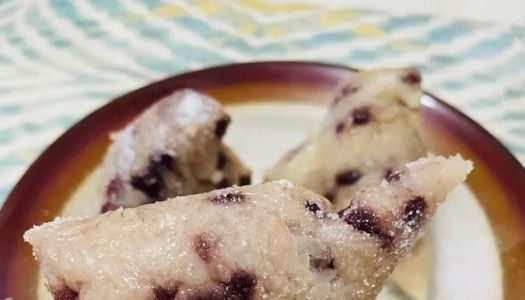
(61, 59)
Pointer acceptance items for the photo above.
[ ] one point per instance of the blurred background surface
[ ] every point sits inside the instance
(488, 10)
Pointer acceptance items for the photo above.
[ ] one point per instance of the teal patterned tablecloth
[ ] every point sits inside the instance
(61, 59)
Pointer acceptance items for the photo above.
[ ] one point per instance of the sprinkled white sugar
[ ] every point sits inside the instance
(191, 108)
(285, 183)
(126, 154)
(422, 161)
(333, 216)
